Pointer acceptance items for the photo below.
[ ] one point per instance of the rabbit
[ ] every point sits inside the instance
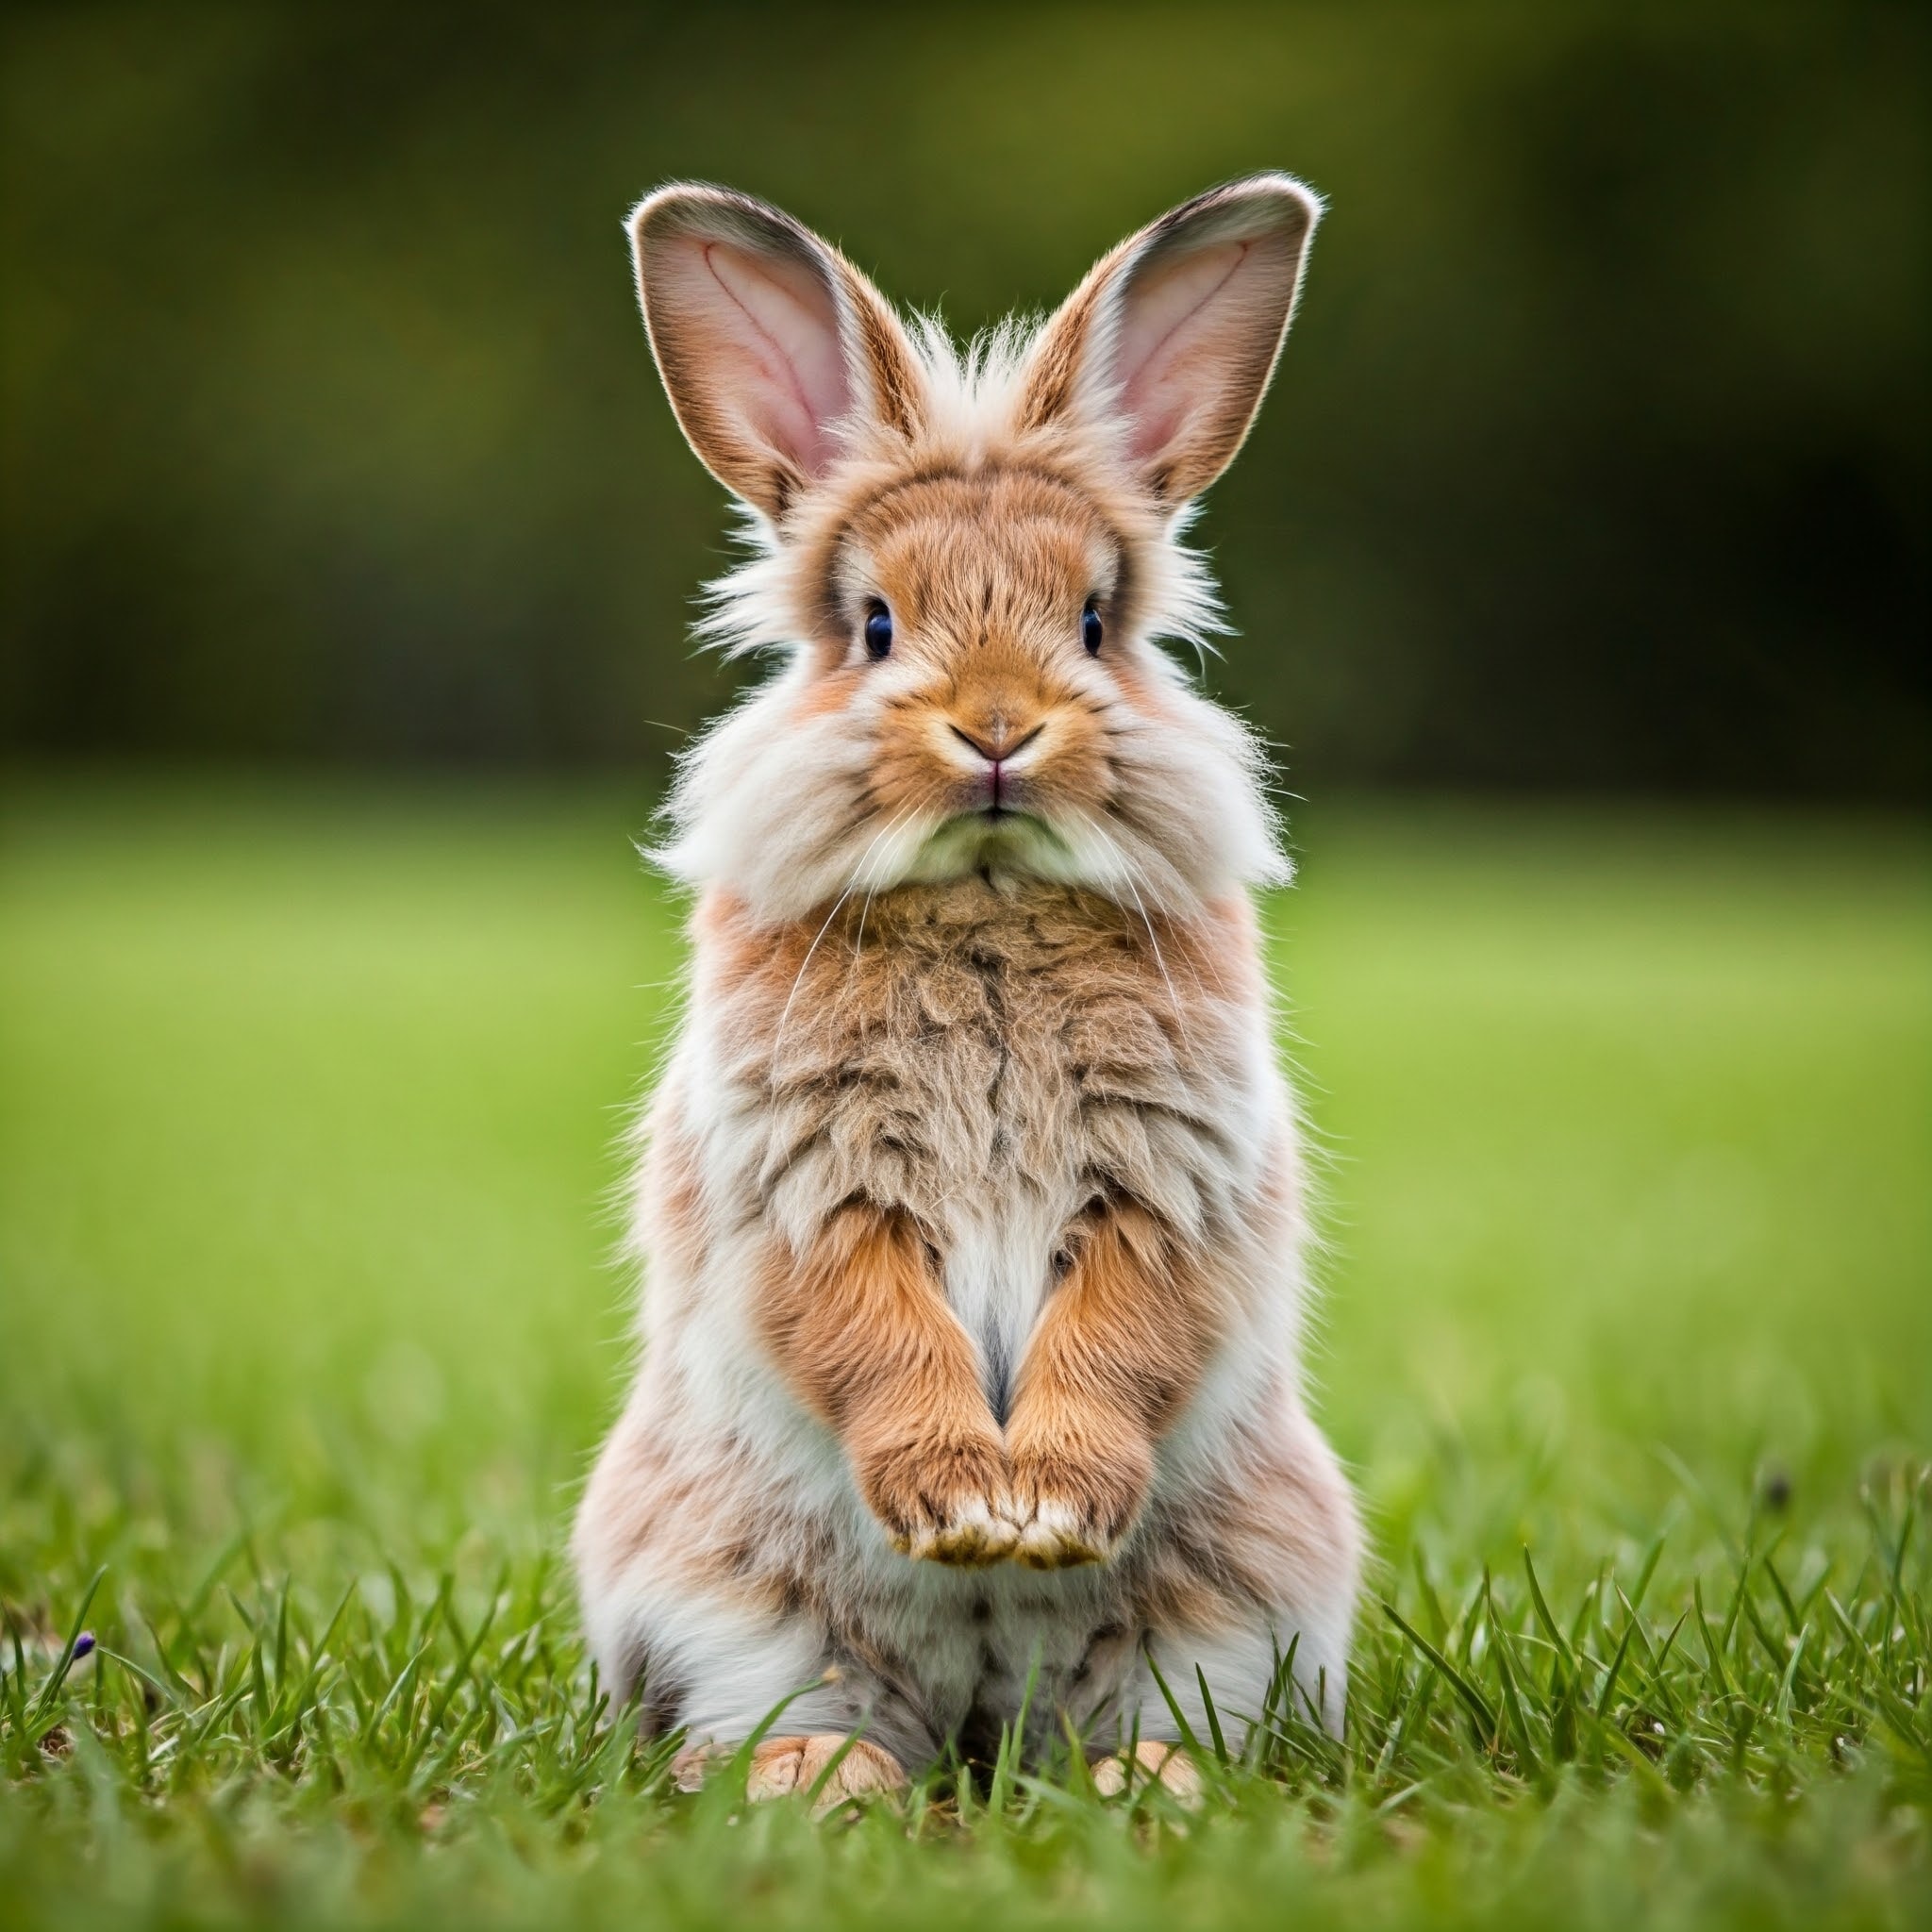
(969, 1211)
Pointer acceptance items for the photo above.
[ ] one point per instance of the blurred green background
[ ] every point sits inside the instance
(1598, 460)
(346, 552)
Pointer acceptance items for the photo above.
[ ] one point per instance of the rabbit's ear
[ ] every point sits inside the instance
(778, 355)
(1173, 336)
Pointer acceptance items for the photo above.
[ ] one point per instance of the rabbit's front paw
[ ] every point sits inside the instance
(1072, 1506)
(942, 1500)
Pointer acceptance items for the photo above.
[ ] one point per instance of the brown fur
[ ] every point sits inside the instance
(1024, 1022)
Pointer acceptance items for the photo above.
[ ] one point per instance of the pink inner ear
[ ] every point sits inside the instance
(1179, 326)
(766, 334)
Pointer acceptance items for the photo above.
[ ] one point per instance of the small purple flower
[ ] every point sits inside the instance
(82, 1644)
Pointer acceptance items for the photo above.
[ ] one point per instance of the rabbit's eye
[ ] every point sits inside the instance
(879, 631)
(1090, 628)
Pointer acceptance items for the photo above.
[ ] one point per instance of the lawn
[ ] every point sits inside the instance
(308, 1098)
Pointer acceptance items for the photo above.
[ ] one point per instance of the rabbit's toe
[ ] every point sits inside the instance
(840, 1767)
(974, 1533)
(1150, 1761)
(1060, 1535)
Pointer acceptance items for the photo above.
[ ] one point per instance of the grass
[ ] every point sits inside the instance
(308, 1100)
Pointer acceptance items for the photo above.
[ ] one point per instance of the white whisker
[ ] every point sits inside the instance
(1159, 959)
(871, 892)
(798, 978)
(852, 885)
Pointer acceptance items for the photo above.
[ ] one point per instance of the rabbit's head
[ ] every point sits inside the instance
(967, 558)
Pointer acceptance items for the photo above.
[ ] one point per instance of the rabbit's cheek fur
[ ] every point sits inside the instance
(971, 1207)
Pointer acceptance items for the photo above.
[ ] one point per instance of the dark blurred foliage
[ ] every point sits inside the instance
(1598, 457)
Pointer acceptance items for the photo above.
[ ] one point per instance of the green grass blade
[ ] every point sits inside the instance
(57, 1677)
(1476, 1703)
(1213, 1717)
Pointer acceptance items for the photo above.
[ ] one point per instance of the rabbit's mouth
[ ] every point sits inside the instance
(1003, 796)
(1004, 836)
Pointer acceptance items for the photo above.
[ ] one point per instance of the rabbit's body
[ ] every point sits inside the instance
(986, 1056)
(970, 1210)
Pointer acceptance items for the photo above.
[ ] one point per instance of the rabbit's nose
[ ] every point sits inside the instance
(997, 742)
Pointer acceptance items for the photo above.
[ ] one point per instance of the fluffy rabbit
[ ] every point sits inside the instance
(969, 1206)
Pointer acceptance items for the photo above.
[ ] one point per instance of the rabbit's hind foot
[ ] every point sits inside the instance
(782, 1767)
(1150, 1761)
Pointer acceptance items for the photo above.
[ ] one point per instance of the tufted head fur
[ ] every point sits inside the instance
(984, 500)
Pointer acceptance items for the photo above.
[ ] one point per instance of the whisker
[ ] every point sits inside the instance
(1159, 959)
(858, 871)
(871, 892)
(798, 978)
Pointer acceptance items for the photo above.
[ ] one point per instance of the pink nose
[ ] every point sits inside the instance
(998, 744)
(995, 750)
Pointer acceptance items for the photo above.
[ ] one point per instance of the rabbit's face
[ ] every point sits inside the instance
(992, 705)
(967, 560)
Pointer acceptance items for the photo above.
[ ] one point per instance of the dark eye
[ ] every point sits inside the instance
(1090, 628)
(878, 632)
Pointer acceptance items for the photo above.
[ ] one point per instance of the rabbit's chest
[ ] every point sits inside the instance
(984, 1081)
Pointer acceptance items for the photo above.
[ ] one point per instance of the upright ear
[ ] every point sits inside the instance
(1173, 338)
(778, 355)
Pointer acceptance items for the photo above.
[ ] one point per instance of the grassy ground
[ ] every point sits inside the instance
(306, 1103)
